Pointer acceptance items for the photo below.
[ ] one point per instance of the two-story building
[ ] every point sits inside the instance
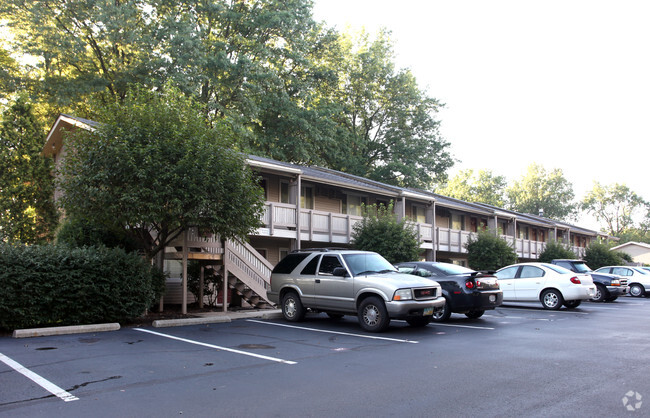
(308, 207)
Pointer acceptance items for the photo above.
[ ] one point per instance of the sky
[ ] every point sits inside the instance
(565, 84)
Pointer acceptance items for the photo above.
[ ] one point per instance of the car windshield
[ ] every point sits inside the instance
(452, 269)
(367, 263)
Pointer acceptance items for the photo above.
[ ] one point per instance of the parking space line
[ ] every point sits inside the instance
(42, 382)
(543, 310)
(460, 326)
(372, 337)
(245, 353)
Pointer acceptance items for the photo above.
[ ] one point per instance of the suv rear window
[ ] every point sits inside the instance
(288, 263)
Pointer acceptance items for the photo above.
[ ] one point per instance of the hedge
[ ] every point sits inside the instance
(54, 285)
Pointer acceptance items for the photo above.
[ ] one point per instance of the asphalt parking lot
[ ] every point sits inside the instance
(518, 360)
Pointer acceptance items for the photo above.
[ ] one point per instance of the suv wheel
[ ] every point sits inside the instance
(373, 315)
(292, 308)
(442, 313)
(552, 299)
(570, 304)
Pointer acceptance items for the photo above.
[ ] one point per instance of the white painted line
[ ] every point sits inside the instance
(543, 310)
(460, 326)
(245, 353)
(503, 317)
(44, 383)
(372, 337)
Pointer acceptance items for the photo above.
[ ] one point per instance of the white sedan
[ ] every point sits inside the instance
(552, 285)
(637, 278)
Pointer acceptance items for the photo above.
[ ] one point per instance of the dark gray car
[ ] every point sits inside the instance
(347, 282)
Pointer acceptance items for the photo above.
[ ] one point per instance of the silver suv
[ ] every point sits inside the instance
(347, 282)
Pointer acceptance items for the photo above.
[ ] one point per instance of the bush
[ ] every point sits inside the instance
(487, 251)
(381, 232)
(555, 250)
(211, 282)
(598, 255)
(54, 285)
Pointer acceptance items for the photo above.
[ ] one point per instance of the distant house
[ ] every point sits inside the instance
(307, 206)
(639, 251)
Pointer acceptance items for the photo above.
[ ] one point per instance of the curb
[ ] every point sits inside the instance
(163, 323)
(73, 329)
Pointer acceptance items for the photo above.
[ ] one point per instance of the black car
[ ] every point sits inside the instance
(466, 291)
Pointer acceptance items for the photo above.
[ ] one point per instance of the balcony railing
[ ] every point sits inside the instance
(280, 219)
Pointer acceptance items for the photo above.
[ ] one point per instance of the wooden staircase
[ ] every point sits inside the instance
(249, 273)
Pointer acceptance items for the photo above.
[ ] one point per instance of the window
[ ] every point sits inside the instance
(353, 203)
(523, 232)
(328, 264)
(283, 253)
(507, 273)
(263, 185)
(457, 221)
(310, 268)
(419, 214)
(284, 192)
(621, 271)
(307, 197)
(531, 271)
(290, 262)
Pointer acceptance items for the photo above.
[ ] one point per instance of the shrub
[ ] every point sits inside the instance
(598, 255)
(381, 232)
(211, 282)
(55, 285)
(486, 251)
(555, 250)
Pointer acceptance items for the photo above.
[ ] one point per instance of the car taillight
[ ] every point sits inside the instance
(469, 284)
(575, 280)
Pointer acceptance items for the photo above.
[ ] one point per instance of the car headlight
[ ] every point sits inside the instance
(403, 294)
(616, 282)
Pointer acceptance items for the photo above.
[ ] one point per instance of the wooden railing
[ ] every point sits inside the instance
(248, 266)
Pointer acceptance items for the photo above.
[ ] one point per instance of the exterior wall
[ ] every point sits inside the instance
(638, 253)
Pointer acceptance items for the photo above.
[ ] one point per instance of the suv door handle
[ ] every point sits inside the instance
(317, 280)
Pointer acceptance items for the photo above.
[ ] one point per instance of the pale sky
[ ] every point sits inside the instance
(565, 83)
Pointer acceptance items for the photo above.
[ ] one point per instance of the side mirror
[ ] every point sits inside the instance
(340, 271)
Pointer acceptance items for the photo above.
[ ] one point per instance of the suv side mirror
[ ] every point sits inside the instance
(340, 271)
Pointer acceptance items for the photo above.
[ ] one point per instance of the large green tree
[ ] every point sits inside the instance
(480, 186)
(155, 168)
(390, 132)
(539, 189)
(615, 206)
(27, 211)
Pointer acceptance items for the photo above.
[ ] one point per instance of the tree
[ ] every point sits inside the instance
(154, 168)
(615, 206)
(555, 250)
(599, 255)
(389, 132)
(539, 189)
(27, 211)
(486, 251)
(481, 187)
(381, 232)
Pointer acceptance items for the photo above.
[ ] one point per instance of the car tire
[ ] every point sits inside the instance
(601, 294)
(474, 314)
(373, 316)
(443, 313)
(292, 307)
(572, 304)
(419, 321)
(334, 315)
(552, 299)
(611, 299)
(637, 290)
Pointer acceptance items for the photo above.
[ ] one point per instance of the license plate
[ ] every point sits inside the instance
(427, 312)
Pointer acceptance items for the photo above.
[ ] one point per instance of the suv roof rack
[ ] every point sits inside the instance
(322, 250)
